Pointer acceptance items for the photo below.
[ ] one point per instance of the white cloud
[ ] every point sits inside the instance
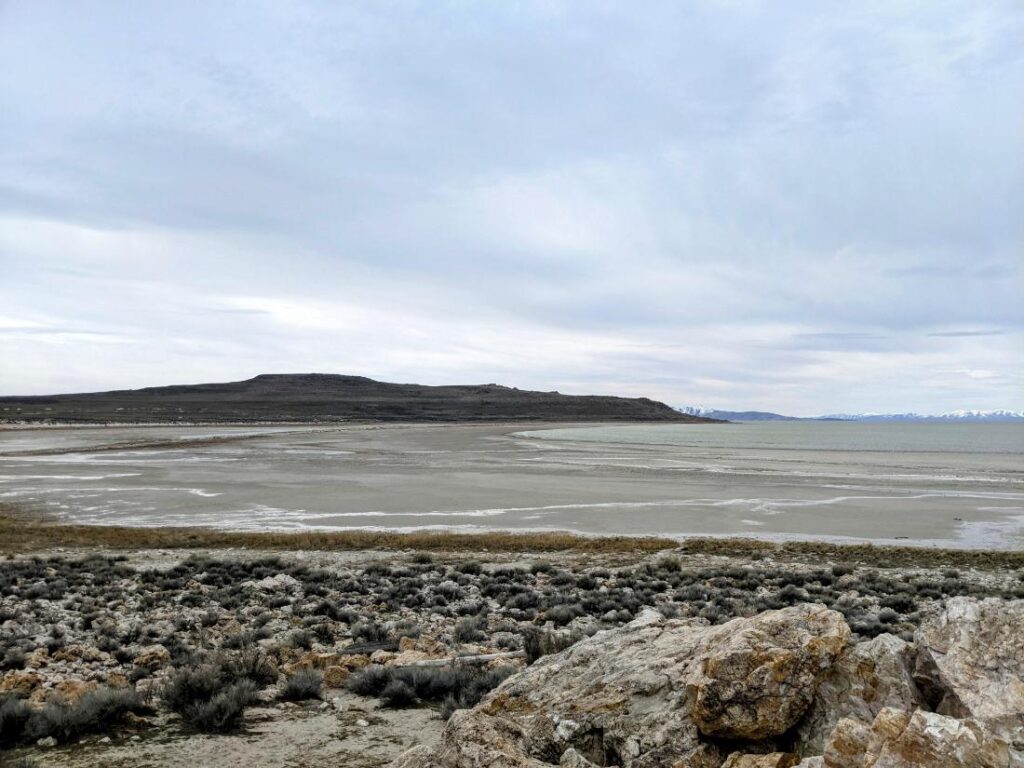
(743, 205)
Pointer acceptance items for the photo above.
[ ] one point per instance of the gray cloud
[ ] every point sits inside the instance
(963, 334)
(809, 207)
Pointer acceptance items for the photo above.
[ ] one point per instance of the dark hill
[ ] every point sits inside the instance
(331, 398)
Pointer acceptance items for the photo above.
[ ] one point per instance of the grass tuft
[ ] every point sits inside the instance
(96, 712)
(302, 685)
(14, 716)
(211, 696)
(456, 687)
(223, 711)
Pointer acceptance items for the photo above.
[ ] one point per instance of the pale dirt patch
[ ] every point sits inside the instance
(295, 737)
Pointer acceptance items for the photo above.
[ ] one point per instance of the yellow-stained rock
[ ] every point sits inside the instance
(868, 677)
(759, 679)
(39, 697)
(68, 653)
(657, 685)
(335, 676)
(20, 682)
(898, 739)
(352, 661)
(70, 691)
(405, 658)
(316, 660)
(324, 661)
(773, 760)
(79, 652)
(847, 744)
(152, 657)
(431, 647)
(117, 680)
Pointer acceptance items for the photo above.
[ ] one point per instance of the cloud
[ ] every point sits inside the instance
(803, 208)
(963, 334)
(241, 311)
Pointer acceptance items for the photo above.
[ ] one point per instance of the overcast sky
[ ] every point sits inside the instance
(803, 207)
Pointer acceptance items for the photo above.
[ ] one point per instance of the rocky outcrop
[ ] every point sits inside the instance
(760, 674)
(868, 677)
(781, 689)
(653, 693)
(898, 739)
(970, 663)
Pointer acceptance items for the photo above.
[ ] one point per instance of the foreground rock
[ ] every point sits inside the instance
(971, 664)
(652, 693)
(868, 677)
(898, 739)
(773, 760)
(781, 689)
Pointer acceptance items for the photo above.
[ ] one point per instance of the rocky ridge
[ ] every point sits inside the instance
(329, 398)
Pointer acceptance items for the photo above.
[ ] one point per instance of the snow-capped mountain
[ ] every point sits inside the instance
(962, 415)
(695, 410)
(713, 413)
(952, 416)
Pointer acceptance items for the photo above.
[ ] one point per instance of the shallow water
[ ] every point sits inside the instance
(851, 437)
(946, 484)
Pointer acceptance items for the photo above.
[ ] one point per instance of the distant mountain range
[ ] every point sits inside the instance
(711, 413)
(952, 416)
(330, 398)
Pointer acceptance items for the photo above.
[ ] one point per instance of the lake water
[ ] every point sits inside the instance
(944, 484)
(850, 437)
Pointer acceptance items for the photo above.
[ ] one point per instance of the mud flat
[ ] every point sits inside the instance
(961, 486)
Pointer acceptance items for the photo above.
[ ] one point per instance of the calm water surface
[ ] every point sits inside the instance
(892, 437)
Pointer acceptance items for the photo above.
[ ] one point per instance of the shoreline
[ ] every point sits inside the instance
(24, 532)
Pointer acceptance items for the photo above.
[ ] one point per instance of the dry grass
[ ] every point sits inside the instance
(861, 554)
(22, 531)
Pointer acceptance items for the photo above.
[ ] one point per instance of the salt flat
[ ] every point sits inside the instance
(950, 485)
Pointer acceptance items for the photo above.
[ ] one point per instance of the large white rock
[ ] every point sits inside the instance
(970, 663)
(898, 739)
(659, 693)
(281, 582)
(868, 677)
(650, 694)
